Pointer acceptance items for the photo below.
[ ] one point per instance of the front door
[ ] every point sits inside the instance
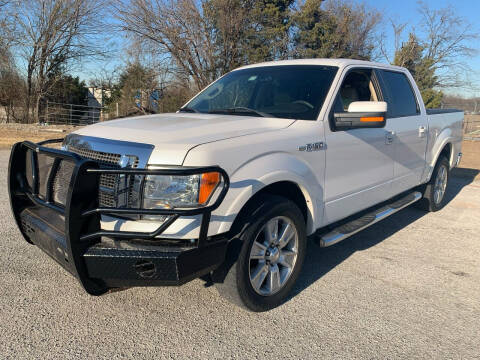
(359, 162)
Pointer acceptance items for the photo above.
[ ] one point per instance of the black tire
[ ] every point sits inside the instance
(428, 201)
(236, 286)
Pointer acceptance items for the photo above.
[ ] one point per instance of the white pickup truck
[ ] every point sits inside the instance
(230, 187)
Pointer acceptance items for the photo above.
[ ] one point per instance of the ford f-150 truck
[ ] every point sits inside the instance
(230, 187)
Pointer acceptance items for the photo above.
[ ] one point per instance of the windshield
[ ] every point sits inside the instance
(289, 91)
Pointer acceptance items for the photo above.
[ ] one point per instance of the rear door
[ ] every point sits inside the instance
(359, 162)
(409, 128)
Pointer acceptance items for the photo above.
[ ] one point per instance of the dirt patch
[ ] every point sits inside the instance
(13, 133)
(470, 165)
(472, 126)
(471, 155)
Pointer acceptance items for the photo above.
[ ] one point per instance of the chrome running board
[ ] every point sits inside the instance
(350, 228)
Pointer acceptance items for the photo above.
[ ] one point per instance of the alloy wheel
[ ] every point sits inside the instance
(440, 184)
(273, 255)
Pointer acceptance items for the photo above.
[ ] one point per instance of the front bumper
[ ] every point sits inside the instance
(71, 234)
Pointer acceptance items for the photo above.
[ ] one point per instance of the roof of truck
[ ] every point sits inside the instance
(326, 62)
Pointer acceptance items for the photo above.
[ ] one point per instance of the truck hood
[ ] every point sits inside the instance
(173, 135)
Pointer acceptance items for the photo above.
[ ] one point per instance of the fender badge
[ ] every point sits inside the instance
(312, 147)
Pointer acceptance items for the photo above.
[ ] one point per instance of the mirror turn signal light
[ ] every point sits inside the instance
(372, 119)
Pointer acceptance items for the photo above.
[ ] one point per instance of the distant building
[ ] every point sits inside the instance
(97, 96)
(96, 101)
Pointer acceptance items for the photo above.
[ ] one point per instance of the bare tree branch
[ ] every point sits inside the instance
(52, 35)
(447, 44)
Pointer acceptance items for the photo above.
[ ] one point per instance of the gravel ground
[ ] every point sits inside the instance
(408, 287)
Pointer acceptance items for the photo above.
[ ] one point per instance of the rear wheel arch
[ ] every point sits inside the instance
(446, 152)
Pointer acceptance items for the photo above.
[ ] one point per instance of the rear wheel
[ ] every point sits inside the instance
(434, 191)
(271, 257)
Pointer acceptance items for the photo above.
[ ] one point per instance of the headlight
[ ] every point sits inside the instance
(167, 192)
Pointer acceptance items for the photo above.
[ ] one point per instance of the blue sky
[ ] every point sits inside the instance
(401, 11)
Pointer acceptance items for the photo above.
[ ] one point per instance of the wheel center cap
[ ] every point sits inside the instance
(273, 255)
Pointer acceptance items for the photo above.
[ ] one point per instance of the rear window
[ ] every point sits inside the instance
(399, 94)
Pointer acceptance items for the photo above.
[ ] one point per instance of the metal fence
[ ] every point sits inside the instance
(71, 114)
(471, 127)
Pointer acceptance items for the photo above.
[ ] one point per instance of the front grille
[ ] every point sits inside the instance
(109, 193)
(106, 158)
(61, 181)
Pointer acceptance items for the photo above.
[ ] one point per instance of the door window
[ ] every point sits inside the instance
(358, 85)
(399, 95)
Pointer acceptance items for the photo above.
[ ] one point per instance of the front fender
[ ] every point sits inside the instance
(265, 170)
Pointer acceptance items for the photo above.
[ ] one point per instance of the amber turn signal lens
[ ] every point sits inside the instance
(208, 183)
(372, 119)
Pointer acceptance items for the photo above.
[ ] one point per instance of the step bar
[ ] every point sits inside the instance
(352, 227)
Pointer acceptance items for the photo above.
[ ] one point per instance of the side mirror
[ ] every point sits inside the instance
(362, 114)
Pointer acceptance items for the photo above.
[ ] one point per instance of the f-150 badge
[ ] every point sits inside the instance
(312, 147)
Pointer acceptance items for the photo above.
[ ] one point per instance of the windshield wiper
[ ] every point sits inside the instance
(239, 111)
(188, 109)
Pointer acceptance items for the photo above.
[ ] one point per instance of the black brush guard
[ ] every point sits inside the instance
(71, 234)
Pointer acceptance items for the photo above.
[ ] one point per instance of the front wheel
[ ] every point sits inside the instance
(272, 254)
(434, 191)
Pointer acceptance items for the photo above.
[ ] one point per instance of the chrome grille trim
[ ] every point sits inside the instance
(103, 157)
(109, 153)
(141, 151)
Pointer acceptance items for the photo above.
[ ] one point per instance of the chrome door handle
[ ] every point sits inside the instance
(389, 137)
(421, 131)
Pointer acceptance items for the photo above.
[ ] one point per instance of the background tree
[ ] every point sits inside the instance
(67, 89)
(314, 37)
(178, 29)
(134, 92)
(51, 35)
(11, 82)
(461, 102)
(447, 41)
(12, 89)
(205, 39)
(436, 53)
(337, 29)
(228, 22)
(4, 35)
(267, 34)
(411, 56)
